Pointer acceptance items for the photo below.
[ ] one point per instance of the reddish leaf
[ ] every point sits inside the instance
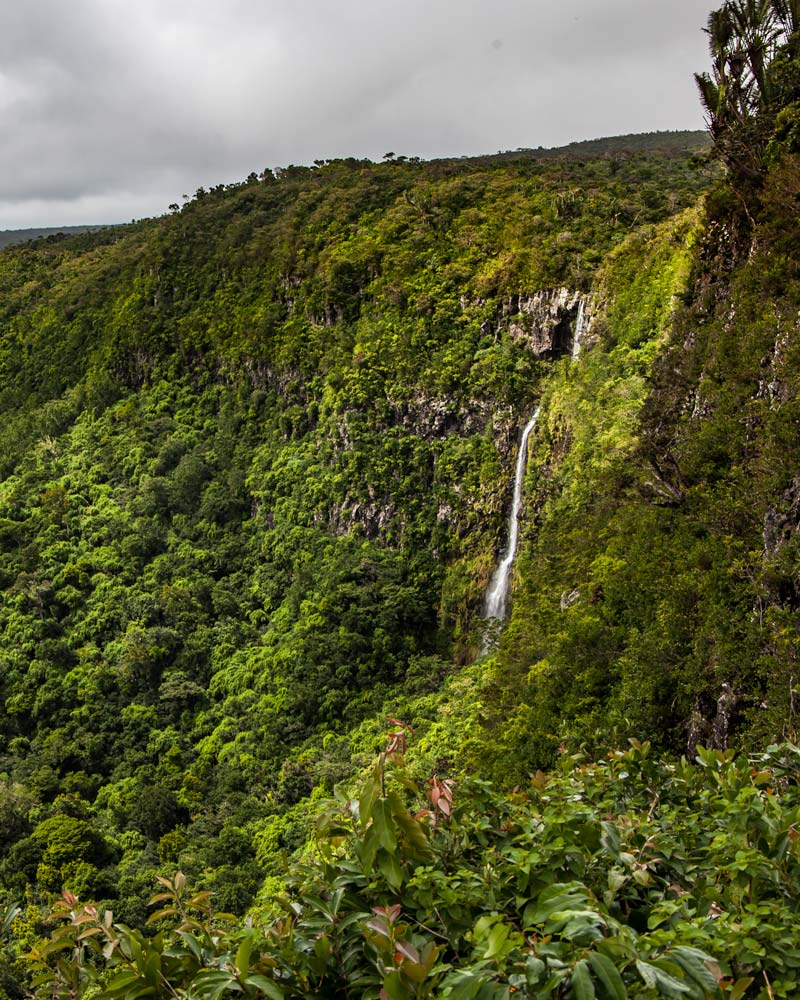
(407, 951)
(379, 925)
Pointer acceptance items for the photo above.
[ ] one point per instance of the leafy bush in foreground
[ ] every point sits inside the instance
(630, 877)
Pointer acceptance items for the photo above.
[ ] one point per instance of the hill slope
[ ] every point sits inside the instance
(256, 466)
(256, 461)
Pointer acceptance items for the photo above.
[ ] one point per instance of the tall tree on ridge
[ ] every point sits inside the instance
(739, 95)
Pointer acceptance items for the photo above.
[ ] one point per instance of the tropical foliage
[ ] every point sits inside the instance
(256, 460)
(623, 878)
(754, 47)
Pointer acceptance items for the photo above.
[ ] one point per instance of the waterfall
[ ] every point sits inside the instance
(578, 334)
(497, 593)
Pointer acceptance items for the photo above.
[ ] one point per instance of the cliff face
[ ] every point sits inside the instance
(658, 591)
(543, 322)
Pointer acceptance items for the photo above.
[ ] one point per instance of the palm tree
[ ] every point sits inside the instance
(740, 92)
(788, 14)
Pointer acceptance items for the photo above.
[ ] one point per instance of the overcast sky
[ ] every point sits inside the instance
(112, 109)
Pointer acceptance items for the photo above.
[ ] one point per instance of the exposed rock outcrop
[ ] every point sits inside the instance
(545, 322)
(430, 416)
(782, 522)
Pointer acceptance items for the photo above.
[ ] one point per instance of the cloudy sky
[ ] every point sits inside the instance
(112, 109)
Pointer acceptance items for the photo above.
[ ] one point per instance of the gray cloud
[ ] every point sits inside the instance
(110, 110)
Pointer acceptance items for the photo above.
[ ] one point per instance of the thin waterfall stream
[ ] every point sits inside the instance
(497, 593)
(577, 335)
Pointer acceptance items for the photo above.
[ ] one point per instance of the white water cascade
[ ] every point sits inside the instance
(497, 593)
(578, 334)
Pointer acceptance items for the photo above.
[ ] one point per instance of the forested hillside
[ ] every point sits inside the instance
(256, 462)
(257, 459)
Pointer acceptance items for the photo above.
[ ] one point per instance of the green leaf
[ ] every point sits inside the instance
(662, 981)
(137, 992)
(390, 868)
(384, 824)
(152, 969)
(369, 793)
(609, 838)
(693, 963)
(558, 897)
(648, 973)
(582, 985)
(121, 982)
(243, 955)
(464, 985)
(191, 943)
(411, 829)
(212, 983)
(415, 972)
(53, 946)
(393, 986)
(368, 848)
(138, 957)
(322, 948)
(535, 971)
(497, 939)
(607, 974)
(740, 987)
(266, 986)
(616, 879)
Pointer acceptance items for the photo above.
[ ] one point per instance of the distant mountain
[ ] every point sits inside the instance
(259, 460)
(10, 237)
(668, 144)
(640, 142)
(255, 464)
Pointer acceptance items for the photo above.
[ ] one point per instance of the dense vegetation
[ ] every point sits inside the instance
(627, 878)
(673, 607)
(256, 460)
(256, 463)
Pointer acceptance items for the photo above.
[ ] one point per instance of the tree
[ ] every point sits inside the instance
(740, 94)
